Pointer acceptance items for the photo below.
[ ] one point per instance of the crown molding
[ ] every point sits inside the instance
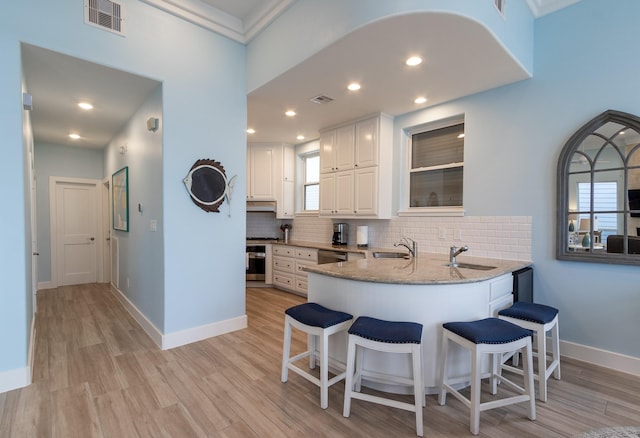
(215, 20)
(544, 7)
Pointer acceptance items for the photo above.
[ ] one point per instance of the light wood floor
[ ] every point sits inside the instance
(97, 374)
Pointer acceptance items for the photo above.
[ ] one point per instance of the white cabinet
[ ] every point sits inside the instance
(288, 267)
(356, 162)
(271, 176)
(261, 163)
(500, 294)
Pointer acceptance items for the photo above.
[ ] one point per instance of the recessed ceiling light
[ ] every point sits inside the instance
(85, 105)
(353, 86)
(420, 100)
(251, 131)
(74, 136)
(413, 61)
(300, 137)
(290, 113)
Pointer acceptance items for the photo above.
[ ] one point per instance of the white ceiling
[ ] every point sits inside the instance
(461, 58)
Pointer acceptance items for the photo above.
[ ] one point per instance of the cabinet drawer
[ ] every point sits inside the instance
(307, 254)
(300, 264)
(286, 281)
(301, 285)
(287, 251)
(501, 286)
(283, 264)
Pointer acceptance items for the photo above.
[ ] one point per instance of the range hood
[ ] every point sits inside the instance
(261, 206)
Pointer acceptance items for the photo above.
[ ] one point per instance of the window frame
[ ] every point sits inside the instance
(304, 159)
(447, 211)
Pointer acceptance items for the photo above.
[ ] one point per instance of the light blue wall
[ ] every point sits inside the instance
(65, 161)
(141, 250)
(204, 116)
(309, 26)
(513, 139)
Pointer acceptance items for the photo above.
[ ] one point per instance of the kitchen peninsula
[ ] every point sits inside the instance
(422, 289)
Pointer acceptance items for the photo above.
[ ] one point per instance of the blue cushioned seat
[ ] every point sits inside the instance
(315, 315)
(538, 313)
(392, 332)
(488, 331)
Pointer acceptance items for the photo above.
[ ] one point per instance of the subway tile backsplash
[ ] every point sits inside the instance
(499, 237)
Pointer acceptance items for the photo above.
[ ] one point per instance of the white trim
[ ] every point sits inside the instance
(45, 285)
(540, 8)
(140, 318)
(15, 379)
(433, 212)
(32, 348)
(182, 337)
(596, 356)
(195, 334)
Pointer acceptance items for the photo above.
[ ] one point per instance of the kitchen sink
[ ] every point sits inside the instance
(390, 255)
(471, 266)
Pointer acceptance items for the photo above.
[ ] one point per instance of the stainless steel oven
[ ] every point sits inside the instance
(256, 262)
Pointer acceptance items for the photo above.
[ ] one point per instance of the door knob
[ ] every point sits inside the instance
(36, 253)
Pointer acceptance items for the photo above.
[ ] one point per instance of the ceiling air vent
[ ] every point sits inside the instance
(499, 4)
(105, 14)
(321, 100)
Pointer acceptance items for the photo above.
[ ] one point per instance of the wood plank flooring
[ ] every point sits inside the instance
(97, 374)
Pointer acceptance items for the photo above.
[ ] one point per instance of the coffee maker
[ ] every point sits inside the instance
(340, 234)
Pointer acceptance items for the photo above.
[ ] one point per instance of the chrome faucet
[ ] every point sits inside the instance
(413, 249)
(454, 252)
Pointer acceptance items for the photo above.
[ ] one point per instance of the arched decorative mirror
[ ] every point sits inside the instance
(598, 217)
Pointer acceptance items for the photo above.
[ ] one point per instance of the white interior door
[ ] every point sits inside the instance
(76, 232)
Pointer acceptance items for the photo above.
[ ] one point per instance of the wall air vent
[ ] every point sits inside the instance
(500, 4)
(105, 14)
(321, 100)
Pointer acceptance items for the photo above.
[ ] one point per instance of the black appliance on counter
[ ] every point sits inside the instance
(340, 234)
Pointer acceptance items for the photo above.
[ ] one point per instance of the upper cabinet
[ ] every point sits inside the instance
(356, 165)
(261, 167)
(271, 175)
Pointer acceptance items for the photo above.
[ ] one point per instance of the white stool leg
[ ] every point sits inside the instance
(348, 383)
(555, 346)
(286, 350)
(541, 345)
(357, 380)
(312, 347)
(528, 379)
(442, 397)
(475, 393)
(496, 368)
(324, 370)
(418, 387)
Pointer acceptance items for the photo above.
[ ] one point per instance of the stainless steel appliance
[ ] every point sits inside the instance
(328, 256)
(256, 262)
(340, 234)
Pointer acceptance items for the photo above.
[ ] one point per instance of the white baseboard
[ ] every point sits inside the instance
(140, 318)
(596, 356)
(14, 379)
(183, 337)
(45, 285)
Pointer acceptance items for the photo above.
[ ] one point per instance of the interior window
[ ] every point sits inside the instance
(311, 190)
(436, 166)
(598, 178)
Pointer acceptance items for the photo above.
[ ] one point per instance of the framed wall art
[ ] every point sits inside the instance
(120, 198)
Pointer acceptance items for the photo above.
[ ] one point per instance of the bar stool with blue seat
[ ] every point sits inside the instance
(540, 319)
(318, 323)
(390, 337)
(494, 337)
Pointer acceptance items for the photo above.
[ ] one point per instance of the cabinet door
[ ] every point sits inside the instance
(288, 163)
(366, 148)
(366, 191)
(327, 194)
(344, 193)
(327, 151)
(345, 145)
(261, 161)
(286, 204)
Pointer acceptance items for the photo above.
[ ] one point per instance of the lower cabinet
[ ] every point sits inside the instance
(500, 294)
(288, 267)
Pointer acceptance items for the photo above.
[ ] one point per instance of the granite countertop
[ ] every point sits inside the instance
(425, 269)
(328, 246)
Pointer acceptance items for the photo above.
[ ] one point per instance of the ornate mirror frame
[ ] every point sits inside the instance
(598, 192)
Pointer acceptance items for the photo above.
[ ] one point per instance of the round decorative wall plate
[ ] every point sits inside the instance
(207, 184)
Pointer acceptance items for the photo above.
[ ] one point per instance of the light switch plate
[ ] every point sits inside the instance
(153, 225)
